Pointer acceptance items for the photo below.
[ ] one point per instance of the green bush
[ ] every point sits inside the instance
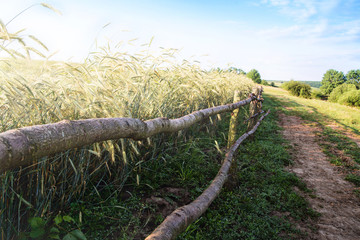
(340, 90)
(351, 98)
(289, 85)
(254, 75)
(318, 94)
(264, 82)
(297, 88)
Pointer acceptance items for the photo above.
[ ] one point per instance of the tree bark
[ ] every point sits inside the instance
(254, 108)
(182, 217)
(233, 121)
(233, 179)
(19, 147)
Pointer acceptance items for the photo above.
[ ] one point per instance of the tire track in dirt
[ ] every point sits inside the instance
(339, 207)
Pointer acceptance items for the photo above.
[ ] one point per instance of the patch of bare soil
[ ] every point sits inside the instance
(334, 198)
(164, 201)
(168, 199)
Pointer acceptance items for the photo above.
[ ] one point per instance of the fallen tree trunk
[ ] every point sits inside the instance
(182, 217)
(19, 147)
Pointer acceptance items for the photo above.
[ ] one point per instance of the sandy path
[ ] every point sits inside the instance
(339, 207)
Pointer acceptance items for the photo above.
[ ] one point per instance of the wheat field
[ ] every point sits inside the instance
(109, 83)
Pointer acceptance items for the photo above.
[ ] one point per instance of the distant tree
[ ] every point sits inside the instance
(254, 75)
(314, 84)
(264, 82)
(351, 98)
(318, 94)
(331, 80)
(236, 70)
(298, 89)
(272, 84)
(340, 90)
(353, 77)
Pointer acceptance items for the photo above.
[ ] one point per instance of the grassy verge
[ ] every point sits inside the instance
(315, 110)
(176, 168)
(263, 205)
(340, 149)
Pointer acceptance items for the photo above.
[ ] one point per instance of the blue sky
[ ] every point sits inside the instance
(282, 39)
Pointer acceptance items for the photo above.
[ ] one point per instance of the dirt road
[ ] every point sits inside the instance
(334, 197)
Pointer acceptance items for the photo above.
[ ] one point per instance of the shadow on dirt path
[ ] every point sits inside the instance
(354, 137)
(334, 197)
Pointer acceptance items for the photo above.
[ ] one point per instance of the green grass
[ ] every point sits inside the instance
(186, 162)
(260, 207)
(353, 178)
(313, 84)
(342, 143)
(264, 201)
(340, 149)
(263, 205)
(317, 110)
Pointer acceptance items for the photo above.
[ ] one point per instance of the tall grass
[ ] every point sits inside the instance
(323, 111)
(109, 83)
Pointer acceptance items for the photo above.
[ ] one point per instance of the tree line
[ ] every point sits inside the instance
(341, 88)
(333, 79)
(335, 87)
(253, 74)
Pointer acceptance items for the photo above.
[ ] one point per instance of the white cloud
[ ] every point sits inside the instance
(308, 31)
(303, 10)
(350, 29)
(279, 2)
(315, 31)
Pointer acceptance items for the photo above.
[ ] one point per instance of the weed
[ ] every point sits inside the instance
(43, 229)
(353, 178)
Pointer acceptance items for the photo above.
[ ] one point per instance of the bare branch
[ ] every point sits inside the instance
(19, 147)
(182, 217)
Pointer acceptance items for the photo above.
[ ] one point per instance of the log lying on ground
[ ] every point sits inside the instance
(19, 147)
(182, 217)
